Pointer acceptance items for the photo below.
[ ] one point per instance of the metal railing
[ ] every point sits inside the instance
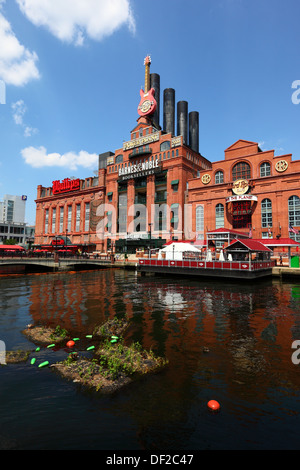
(198, 264)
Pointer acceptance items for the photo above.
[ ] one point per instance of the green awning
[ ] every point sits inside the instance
(174, 206)
(109, 212)
(175, 182)
(109, 194)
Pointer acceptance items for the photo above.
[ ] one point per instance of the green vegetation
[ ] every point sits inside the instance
(112, 365)
(59, 333)
(14, 357)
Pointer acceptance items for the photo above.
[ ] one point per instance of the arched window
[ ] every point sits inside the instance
(119, 159)
(199, 219)
(241, 170)
(165, 146)
(219, 216)
(265, 169)
(294, 211)
(266, 213)
(219, 177)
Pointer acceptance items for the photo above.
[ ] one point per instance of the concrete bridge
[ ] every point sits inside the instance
(15, 265)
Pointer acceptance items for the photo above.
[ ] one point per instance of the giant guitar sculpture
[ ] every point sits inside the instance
(148, 103)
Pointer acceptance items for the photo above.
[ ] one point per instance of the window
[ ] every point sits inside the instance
(199, 219)
(241, 171)
(219, 216)
(219, 177)
(77, 227)
(119, 159)
(165, 146)
(294, 211)
(265, 169)
(61, 219)
(87, 217)
(266, 213)
(47, 221)
(10, 211)
(175, 184)
(69, 218)
(53, 220)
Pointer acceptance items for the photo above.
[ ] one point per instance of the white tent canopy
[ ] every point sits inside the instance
(176, 250)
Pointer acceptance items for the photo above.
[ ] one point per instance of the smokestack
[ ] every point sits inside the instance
(155, 83)
(194, 131)
(169, 111)
(182, 120)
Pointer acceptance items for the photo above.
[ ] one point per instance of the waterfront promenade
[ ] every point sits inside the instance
(15, 264)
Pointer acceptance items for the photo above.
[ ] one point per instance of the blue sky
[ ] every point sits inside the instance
(73, 69)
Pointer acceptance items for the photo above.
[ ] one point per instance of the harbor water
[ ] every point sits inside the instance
(230, 342)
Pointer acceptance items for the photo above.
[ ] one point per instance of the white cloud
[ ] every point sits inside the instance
(17, 64)
(74, 20)
(38, 158)
(19, 110)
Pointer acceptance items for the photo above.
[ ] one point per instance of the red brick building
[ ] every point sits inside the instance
(158, 187)
(250, 191)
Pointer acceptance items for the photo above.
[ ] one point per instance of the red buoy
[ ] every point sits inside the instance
(70, 344)
(213, 405)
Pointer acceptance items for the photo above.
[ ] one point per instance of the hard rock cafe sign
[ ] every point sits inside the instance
(148, 104)
(240, 187)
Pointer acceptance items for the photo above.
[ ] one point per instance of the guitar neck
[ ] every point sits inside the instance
(147, 78)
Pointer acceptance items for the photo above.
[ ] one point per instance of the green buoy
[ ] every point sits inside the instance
(90, 348)
(51, 346)
(33, 360)
(44, 364)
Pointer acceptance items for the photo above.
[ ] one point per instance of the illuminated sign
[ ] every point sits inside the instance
(240, 187)
(139, 170)
(65, 186)
(141, 141)
(242, 197)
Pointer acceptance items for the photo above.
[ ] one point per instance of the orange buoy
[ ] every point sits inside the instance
(70, 344)
(213, 405)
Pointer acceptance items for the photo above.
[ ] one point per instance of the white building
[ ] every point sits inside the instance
(12, 218)
(12, 209)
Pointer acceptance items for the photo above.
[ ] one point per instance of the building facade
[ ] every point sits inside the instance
(12, 219)
(158, 187)
(251, 191)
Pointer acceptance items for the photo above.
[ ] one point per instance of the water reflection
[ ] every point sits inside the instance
(230, 342)
(247, 329)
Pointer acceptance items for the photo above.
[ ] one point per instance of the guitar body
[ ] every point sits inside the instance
(148, 103)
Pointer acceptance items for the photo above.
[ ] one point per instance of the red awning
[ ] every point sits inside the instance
(279, 242)
(252, 245)
(192, 242)
(227, 230)
(12, 248)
